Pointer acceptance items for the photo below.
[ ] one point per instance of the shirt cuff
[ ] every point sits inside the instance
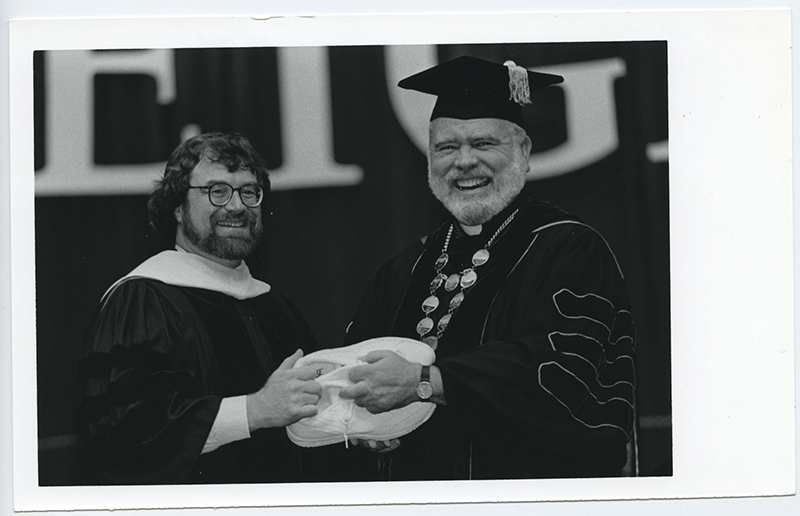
(230, 424)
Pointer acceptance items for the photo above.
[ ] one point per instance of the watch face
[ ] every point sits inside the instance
(424, 390)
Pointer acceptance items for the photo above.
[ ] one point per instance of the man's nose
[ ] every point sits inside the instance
(466, 158)
(235, 204)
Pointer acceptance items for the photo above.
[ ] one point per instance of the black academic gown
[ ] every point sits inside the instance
(160, 360)
(537, 363)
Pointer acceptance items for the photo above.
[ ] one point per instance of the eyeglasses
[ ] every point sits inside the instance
(220, 194)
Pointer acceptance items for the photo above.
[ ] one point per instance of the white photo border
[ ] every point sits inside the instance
(731, 247)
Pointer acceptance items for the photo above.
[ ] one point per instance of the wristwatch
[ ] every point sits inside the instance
(424, 387)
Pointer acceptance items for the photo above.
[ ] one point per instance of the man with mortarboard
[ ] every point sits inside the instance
(188, 376)
(524, 305)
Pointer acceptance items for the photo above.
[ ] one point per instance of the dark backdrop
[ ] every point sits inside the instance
(324, 244)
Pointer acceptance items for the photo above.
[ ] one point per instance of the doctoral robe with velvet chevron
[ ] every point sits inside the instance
(537, 363)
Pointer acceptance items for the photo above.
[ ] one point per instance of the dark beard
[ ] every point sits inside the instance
(226, 248)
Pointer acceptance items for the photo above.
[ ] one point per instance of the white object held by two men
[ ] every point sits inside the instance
(338, 419)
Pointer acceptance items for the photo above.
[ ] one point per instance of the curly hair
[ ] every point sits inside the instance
(233, 151)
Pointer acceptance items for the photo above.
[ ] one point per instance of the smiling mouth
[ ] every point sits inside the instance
(232, 223)
(472, 183)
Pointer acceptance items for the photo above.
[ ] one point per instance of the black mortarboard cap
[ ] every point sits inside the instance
(468, 87)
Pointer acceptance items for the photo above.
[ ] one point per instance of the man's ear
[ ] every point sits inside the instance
(527, 145)
(178, 215)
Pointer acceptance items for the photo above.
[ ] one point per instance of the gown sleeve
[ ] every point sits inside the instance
(558, 361)
(145, 408)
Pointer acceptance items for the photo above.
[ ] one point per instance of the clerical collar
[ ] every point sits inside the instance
(489, 227)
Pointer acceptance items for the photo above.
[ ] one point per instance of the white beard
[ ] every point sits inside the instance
(474, 210)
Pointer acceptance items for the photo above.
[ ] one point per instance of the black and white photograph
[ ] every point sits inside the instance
(347, 187)
(398, 268)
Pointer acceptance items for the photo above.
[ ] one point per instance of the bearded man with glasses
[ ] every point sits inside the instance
(188, 373)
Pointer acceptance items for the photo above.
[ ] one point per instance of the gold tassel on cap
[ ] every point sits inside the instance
(518, 83)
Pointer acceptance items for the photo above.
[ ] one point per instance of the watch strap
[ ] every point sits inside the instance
(425, 374)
